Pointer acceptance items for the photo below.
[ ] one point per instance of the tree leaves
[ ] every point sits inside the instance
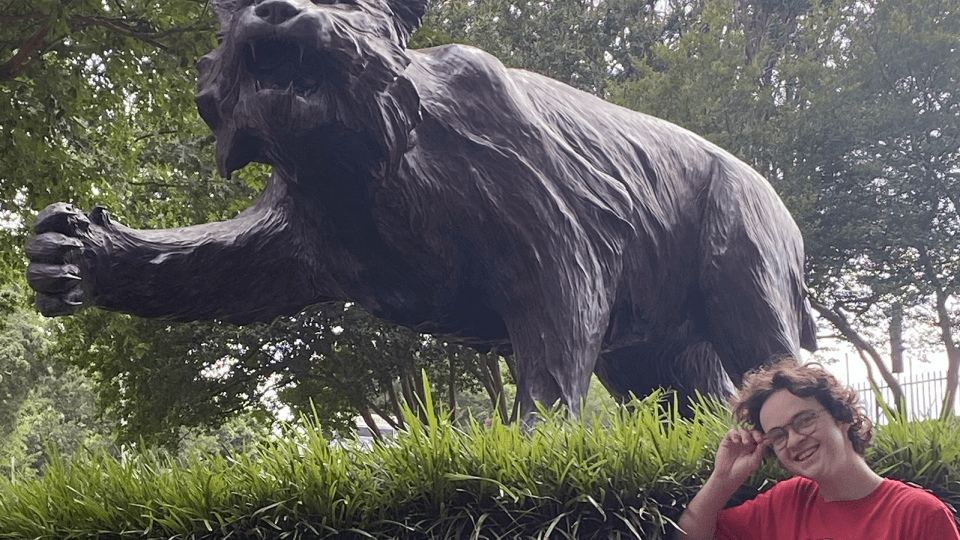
(850, 110)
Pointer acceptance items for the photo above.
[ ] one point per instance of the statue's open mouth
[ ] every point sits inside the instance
(283, 65)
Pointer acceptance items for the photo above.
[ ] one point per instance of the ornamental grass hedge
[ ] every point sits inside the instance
(622, 474)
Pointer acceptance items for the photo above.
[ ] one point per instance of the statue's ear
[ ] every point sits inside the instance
(224, 10)
(407, 16)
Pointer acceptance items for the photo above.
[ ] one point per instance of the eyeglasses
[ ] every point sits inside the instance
(803, 423)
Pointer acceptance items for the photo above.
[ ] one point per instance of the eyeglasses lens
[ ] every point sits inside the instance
(802, 425)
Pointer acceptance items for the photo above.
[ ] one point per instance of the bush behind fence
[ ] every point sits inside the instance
(923, 395)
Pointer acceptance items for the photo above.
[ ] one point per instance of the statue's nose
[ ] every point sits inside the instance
(276, 11)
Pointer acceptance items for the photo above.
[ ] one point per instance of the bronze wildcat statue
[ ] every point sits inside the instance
(444, 192)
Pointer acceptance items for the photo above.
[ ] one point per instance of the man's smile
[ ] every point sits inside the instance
(805, 454)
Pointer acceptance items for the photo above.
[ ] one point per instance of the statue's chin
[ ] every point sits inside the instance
(283, 114)
(264, 122)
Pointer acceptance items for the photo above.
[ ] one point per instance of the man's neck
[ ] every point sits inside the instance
(855, 483)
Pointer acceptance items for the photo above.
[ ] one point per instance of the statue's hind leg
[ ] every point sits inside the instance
(751, 273)
(687, 370)
(555, 360)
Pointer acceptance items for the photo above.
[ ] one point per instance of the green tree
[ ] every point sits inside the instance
(58, 414)
(577, 42)
(850, 109)
(899, 76)
(333, 360)
(96, 107)
(340, 360)
(23, 342)
(43, 403)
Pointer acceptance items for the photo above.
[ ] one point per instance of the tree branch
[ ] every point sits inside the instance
(854, 337)
(25, 56)
(18, 18)
(945, 322)
(38, 44)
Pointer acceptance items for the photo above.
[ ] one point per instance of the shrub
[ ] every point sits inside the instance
(625, 474)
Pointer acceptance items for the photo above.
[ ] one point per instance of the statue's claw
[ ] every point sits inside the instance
(54, 271)
(62, 218)
(53, 278)
(52, 306)
(52, 247)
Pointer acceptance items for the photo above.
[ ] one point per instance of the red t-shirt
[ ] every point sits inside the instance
(794, 510)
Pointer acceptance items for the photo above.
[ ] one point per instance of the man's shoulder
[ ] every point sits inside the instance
(903, 493)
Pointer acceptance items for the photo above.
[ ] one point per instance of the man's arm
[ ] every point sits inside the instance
(739, 455)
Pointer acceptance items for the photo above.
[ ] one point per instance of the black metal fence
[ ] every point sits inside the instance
(922, 392)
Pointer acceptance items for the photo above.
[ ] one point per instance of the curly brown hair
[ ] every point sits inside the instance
(803, 380)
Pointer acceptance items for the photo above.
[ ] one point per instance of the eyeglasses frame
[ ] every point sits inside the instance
(768, 437)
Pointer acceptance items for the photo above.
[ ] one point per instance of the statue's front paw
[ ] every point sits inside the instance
(54, 252)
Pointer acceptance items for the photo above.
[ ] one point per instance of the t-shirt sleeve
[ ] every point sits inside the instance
(738, 522)
(940, 524)
(750, 520)
(928, 516)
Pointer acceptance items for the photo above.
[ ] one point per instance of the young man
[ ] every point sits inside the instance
(816, 430)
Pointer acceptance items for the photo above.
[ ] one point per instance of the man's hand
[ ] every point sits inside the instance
(740, 454)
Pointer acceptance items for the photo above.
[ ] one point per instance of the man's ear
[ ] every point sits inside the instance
(407, 16)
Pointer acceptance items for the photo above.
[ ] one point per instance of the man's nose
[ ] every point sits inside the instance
(793, 437)
(276, 11)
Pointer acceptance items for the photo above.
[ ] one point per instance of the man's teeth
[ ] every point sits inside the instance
(806, 453)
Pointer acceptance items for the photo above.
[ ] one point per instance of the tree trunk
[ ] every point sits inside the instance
(408, 395)
(417, 380)
(953, 353)
(946, 331)
(397, 409)
(453, 389)
(847, 331)
(485, 378)
(371, 423)
(493, 366)
(488, 372)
